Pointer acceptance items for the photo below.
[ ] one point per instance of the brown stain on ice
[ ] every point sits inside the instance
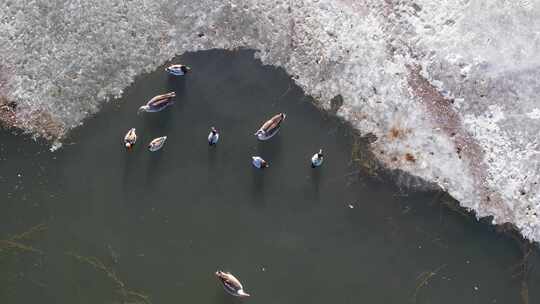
(394, 133)
(397, 132)
(7, 113)
(42, 123)
(7, 108)
(410, 158)
(444, 116)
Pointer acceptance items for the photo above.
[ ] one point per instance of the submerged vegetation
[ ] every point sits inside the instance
(362, 157)
(18, 243)
(424, 278)
(127, 295)
(15, 243)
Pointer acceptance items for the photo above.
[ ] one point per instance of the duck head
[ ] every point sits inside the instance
(185, 69)
(143, 109)
(213, 130)
(220, 274)
(128, 146)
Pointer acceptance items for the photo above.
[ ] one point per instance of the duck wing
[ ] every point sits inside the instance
(131, 136)
(158, 101)
(157, 141)
(232, 282)
(272, 122)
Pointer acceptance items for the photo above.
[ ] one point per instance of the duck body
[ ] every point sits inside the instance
(270, 127)
(231, 284)
(317, 159)
(130, 139)
(158, 103)
(259, 163)
(157, 143)
(213, 137)
(178, 69)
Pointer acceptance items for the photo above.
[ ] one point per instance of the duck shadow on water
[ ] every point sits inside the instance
(312, 189)
(130, 164)
(212, 156)
(154, 166)
(223, 298)
(176, 84)
(159, 123)
(257, 186)
(270, 150)
(213, 168)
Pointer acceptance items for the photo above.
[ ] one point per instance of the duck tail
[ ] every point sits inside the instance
(242, 293)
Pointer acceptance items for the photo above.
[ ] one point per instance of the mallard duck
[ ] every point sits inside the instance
(158, 103)
(178, 69)
(259, 163)
(270, 127)
(317, 159)
(157, 143)
(231, 284)
(130, 139)
(213, 137)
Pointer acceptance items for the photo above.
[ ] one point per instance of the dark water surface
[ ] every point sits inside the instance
(161, 223)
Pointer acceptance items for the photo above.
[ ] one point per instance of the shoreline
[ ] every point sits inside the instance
(357, 58)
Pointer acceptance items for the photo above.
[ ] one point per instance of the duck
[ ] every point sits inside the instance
(213, 137)
(130, 139)
(317, 159)
(158, 103)
(231, 284)
(178, 69)
(270, 127)
(259, 163)
(157, 143)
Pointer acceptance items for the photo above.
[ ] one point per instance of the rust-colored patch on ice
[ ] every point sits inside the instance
(45, 126)
(444, 116)
(410, 158)
(41, 124)
(7, 113)
(7, 108)
(398, 133)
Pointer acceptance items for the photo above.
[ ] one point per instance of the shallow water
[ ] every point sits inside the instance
(163, 222)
